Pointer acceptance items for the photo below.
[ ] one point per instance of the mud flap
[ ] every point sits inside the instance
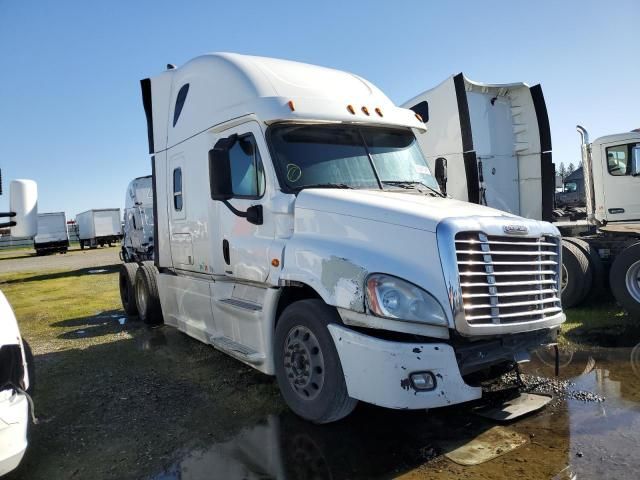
(514, 407)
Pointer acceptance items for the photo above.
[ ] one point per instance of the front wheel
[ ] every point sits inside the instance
(307, 364)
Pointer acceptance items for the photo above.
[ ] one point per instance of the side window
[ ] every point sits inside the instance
(180, 98)
(247, 173)
(177, 189)
(618, 159)
(422, 109)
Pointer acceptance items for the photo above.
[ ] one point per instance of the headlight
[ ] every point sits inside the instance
(391, 297)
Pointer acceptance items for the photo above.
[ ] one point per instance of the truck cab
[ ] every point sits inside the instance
(615, 166)
(137, 242)
(299, 229)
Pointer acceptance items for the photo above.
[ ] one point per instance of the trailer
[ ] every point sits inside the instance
(137, 243)
(298, 228)
(52, 234)
(491, 144)
(99, 227)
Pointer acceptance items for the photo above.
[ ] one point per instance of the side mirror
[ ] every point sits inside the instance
(220, 169)
(441, 173)
(23, 202)
(635, 161)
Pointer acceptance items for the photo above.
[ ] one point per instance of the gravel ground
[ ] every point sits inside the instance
(27, 261)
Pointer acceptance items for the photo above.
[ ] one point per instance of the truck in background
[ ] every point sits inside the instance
(17, 375)
(572, 194)
(52, 234)
(298, 229)
(99, 227)
(137, 242)
(491, 144)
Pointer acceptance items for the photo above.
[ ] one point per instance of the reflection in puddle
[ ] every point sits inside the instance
(573, 439)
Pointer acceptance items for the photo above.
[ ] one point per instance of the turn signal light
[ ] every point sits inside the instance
(379, 112)
(292, 105)
(419, 117)
(365, 110)
(351, 109)
(275, 262)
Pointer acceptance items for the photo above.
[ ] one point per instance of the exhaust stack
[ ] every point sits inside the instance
(588, 175)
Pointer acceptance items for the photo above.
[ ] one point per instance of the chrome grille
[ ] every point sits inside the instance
(506, 279)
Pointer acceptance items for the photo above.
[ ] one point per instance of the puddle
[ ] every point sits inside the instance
(571, 438)
(122, 320)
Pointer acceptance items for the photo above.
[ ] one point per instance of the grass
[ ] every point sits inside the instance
(60, 299)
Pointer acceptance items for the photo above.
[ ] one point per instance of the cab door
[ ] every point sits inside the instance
(621, 188)
(241, 250)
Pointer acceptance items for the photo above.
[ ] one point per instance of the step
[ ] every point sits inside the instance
(238, 350)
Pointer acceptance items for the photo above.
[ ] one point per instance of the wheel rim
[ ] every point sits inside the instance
(632, 281)
(141, 299)
(304, 362)
(564, 278)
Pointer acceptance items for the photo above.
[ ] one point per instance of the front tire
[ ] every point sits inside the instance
(147, 295)
(307, 364)
(127, 283)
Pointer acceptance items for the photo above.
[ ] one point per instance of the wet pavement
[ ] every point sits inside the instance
(591, 430)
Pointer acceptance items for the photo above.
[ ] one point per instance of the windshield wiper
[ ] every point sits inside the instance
(411, 185)
(326, 185)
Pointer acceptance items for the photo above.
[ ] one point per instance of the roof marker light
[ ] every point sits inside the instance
(351, 109)
(419, 117)
(365, 110)
(292, 105)
(379, 112)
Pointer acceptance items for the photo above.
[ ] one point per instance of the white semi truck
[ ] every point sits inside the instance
(137, 242)
(491, 144)
(99, 227)
(17, 373)
(299, 230)
(52, 234)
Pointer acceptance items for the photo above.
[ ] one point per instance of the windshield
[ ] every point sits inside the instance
(348, 157)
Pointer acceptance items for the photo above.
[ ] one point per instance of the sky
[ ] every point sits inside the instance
(71, 114)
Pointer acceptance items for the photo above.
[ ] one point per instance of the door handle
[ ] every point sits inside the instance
(225, 251)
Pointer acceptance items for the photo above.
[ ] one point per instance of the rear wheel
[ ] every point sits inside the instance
(147, 296)
(127, 282)
(308, 367)
(624, 278)
(576, 275)
(595, 262)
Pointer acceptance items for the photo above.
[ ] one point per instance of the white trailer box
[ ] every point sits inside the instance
(99, 227)
(52, 233)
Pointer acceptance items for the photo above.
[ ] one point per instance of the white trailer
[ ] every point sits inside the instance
(52, 233)
(99, 227)
(491, 144)
(137, 243)
(299, 230)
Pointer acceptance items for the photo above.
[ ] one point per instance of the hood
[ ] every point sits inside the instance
(413, 210)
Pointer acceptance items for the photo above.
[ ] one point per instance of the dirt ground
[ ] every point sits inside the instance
(118, 400)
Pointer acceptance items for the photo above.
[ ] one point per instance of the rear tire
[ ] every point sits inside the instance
(307, 364)
(597, 268)
(576, 275)
(127, 282)
(624, 278)
(147, 296)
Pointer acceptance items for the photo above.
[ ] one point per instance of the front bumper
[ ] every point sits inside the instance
(14, 419)
(377, 371)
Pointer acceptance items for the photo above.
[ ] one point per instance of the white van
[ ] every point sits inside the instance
(299, 229)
